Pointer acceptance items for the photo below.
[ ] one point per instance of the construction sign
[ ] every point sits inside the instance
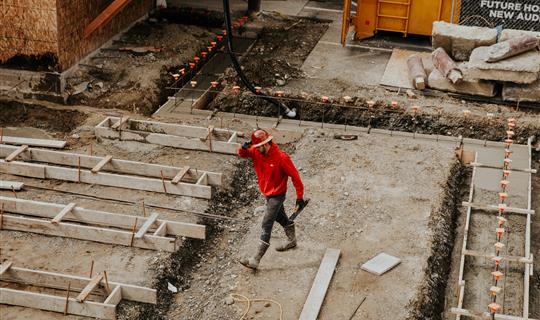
(510, 14)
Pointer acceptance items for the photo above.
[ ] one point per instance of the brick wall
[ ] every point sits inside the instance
(55, 27)
(27, 27)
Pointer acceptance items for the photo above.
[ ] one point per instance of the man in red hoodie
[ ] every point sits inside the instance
(273, 168)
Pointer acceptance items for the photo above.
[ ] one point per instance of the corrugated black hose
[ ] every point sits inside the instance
(226, 10)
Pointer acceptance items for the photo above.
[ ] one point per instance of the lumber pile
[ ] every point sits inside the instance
(479, 61)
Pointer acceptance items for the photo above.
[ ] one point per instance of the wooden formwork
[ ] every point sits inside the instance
(75, 222)
(108, 293)
(526, 260)
(172, 135)
(121, 173)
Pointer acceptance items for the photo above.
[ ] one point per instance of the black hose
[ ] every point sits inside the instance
(226, 10)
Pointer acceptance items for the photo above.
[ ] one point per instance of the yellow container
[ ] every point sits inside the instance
(404, 16)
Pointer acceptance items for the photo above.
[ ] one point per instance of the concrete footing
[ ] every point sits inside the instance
(523, 68)
(437, 81)
(523, 92)
(459, 41)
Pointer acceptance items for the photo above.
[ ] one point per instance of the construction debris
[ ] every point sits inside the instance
(511, 47)
(521, 92)
(447, 67)
(417, 72)
(473, 87)
(11, 185)
(381, 264)
(459, 41)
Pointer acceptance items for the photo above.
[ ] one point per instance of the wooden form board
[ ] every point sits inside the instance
(317, 293)
(99, 218)
(59, 144)
(11, 185)
(111, 234)
(171, 135)
(102, 310)
(115, 165)
(527, 260)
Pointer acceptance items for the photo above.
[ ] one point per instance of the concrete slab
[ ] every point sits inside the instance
(523, 68)
(521, 92)
(473, 87)
(459, 41)
(396, 73)
(381, 263)
(508, 34)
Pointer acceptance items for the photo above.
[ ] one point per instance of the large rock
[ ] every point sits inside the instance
(523, 68)
(437, 81)
(459, 41)
(522, 92)
(508, 34)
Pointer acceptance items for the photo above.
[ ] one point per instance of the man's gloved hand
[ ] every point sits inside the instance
(300, 203)
(246, 145)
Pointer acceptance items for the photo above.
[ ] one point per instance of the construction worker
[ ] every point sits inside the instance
(273, 168)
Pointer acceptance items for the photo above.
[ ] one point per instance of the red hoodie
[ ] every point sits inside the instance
(273, 170)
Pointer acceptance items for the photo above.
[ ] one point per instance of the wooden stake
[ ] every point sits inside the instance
(133, 232)
(91, 268)
(163, 181)
(106, 282)
(67, 298)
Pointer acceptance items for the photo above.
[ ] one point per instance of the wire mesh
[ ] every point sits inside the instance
(508, 14)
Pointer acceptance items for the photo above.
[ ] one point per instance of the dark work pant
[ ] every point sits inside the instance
(274, 212)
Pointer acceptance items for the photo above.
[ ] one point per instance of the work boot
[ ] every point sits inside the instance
(253, 262)
(291, 236)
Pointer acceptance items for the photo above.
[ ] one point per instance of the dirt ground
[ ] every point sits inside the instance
(371, 195)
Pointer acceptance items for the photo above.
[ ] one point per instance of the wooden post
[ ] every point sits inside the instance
(67, 298)
(133, 232)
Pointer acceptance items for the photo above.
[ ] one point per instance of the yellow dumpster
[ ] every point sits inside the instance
(404, 16)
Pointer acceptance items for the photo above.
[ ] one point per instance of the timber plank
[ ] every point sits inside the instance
(62, 213)
(101, 164)
(147, 224)
(100, 218)
(11, 185)
(48, 143)
(317, 293)
(82, 232)
(16, 153)
(56, 304)
(180, 175)
(89, 287)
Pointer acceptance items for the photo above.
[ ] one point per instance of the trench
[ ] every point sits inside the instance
(429, 302)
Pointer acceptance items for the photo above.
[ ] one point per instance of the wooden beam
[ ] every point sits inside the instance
(484, 315)
(47, 143)
(100, 218)
(82, 232)
(57, 304)
(180, 175)
(317, 293)
(120, 123)
(176, 136)
(92, 284)
(475, 253)
(477, 164)
(146, 226)
(105, 16)
(101, 164)
(115, 165)
(106, 179)
(11, 185)
(62, 213)
(16, 153)
(59, 281)
(5, 266)
(496, 208)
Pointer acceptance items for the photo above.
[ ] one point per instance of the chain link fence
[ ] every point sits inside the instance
(508, 14)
